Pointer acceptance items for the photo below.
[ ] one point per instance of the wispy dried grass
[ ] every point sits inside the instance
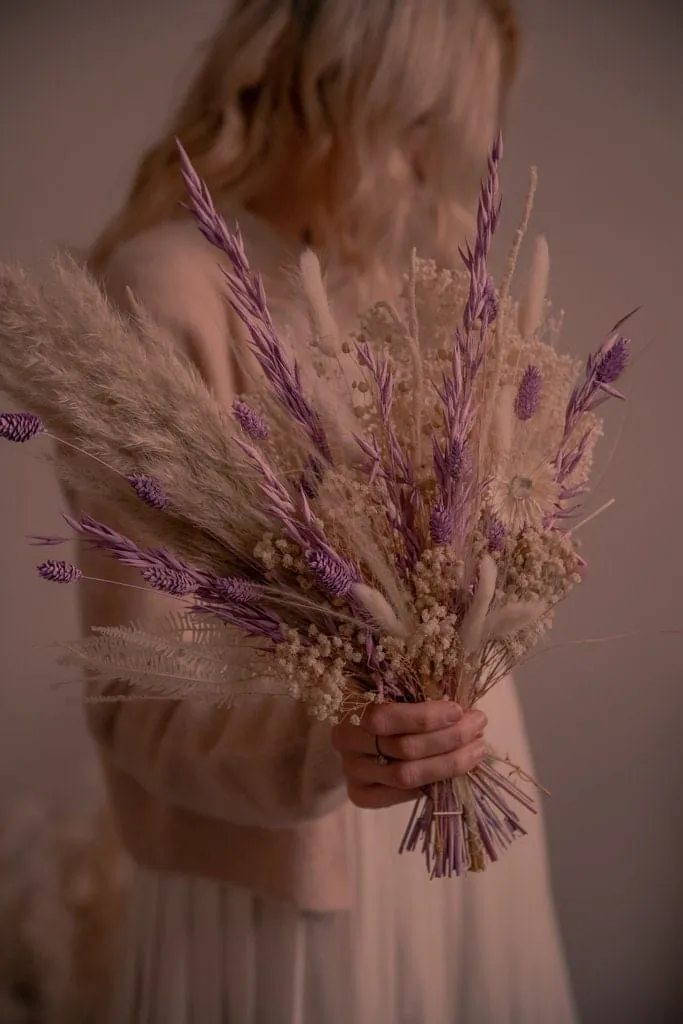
(119, 388)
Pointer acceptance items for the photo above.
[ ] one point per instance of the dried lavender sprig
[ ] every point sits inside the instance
(149, 491)
(247, 297)
(59, 571)
(495, 533)
(603, 369)
(20, 427)
(265, 626)
(228, 590)
(23, 426)
(251, 421)
(236, 597)
(528, 395)
(441, 524)
(326, 565)
(168, 581)
(163, 568)
(334, 576)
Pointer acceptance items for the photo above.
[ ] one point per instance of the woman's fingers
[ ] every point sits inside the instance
(413, 746)
(411, 775)
(393, 719)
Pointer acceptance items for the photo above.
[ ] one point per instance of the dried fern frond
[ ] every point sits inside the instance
(185, 657)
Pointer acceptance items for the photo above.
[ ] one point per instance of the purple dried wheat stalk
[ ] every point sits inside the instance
(300, 526)
(247, 298)
(456, 393)
(603, 369)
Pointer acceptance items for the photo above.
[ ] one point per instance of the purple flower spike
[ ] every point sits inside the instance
(20, 426)
(228, 589)
(529, 393)
(250, 421)
(149, 491)
(611, 361)
(170, 581)
(332, 575)
(441, 524)
(59, 572)
(456, 459)
(495, 533)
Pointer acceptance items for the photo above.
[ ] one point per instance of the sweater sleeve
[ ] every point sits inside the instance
(264, 763)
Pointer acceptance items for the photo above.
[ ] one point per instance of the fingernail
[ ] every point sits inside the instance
(453, 714)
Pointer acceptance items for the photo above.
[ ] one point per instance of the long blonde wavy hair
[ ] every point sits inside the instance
(379, 113)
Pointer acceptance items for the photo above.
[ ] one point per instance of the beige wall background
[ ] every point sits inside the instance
(84, 84)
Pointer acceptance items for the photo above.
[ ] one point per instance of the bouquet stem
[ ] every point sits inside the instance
(461, 824)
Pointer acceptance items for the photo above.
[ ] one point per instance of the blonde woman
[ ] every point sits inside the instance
(269, 888)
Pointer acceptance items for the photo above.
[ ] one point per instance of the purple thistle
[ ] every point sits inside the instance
(528, 393)
(149, 491)
(20, 426)
(332, 575)
(170, 580)
(59, 572)
(251, 422)
(441, 524)
(495, 533)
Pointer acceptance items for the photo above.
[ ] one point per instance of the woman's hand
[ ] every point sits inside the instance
(422, 743)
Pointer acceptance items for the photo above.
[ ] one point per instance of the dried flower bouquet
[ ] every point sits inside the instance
(418, 558)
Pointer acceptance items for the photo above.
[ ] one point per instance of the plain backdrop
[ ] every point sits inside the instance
(86, 83)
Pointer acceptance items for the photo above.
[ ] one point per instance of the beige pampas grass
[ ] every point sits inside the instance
(119, 389)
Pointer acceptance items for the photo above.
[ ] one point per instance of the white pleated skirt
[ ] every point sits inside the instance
(484, 949)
